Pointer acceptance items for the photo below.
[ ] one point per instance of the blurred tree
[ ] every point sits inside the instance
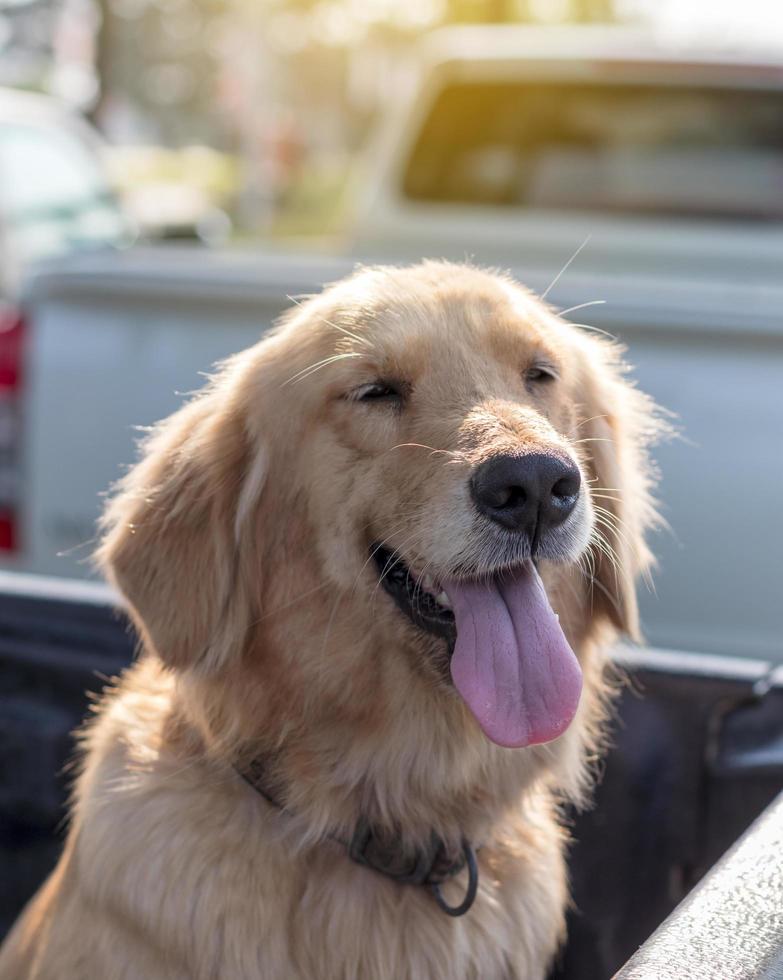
(161, 61)
(157, 62)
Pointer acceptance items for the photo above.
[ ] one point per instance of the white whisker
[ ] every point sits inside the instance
(593, 418)
(306, 372)
(581, 306)
(554, 282)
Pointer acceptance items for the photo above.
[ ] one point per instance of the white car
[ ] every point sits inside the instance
(54, 193)
(54, 198)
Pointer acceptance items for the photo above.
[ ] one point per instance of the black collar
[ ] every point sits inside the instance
(427, 867)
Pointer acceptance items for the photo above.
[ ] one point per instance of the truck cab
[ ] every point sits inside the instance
(517, 144)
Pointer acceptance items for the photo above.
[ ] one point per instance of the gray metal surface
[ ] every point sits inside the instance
(731, 926)
(697, 754)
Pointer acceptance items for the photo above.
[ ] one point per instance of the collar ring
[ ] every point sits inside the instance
(470, 894)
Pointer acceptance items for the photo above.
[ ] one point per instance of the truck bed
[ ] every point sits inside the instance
(697, 755)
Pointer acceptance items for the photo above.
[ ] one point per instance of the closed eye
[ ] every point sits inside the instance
(540, 374)
(389, 392)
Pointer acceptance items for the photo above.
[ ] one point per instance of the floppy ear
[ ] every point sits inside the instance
(619, 423)
(171, 543)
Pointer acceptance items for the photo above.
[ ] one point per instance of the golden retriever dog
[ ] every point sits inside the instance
(373, 566)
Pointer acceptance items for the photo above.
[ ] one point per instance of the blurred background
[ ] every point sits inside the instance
(240, 119)
(173, 171)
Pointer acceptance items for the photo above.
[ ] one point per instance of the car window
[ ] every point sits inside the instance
(691, 152)
(53, 194)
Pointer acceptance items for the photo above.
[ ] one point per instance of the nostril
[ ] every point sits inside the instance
(566, 487)
(514, 497)
(502, 497)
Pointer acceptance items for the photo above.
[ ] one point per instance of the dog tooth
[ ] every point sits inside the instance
(443, 600)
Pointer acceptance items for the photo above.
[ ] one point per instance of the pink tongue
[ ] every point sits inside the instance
(512, 665)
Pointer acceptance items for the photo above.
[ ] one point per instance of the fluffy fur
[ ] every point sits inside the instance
(240, 541)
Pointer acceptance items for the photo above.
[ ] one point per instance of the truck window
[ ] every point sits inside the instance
(616, 148)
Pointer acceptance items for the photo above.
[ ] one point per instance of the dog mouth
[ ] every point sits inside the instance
(509, 659)
(419, 597)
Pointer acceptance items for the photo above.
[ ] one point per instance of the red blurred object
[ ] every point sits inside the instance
(11, 339)
(12, 331)
(8, 525)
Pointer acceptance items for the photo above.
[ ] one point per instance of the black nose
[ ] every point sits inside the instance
(531, 492)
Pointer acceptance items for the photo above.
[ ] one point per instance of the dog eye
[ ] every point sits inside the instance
(540, 373)
(378, 391)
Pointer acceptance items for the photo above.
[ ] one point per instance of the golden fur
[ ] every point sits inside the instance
(240, 542)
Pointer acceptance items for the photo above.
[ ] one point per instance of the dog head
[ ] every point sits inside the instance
(402, 488)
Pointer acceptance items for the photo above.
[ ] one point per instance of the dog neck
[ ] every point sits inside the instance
(419, 769)
(391, 855)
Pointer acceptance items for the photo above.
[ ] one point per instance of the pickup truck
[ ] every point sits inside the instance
(661, 168)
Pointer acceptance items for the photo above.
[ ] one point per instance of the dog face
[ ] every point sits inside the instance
(400, 467)
(449, 429)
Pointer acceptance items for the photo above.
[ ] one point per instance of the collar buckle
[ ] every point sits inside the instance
(430, 867)
(386, 856)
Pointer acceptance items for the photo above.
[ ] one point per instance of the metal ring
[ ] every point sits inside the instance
(470, 894)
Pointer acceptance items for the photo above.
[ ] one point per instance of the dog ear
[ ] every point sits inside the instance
(172, 543)
(618, 425)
